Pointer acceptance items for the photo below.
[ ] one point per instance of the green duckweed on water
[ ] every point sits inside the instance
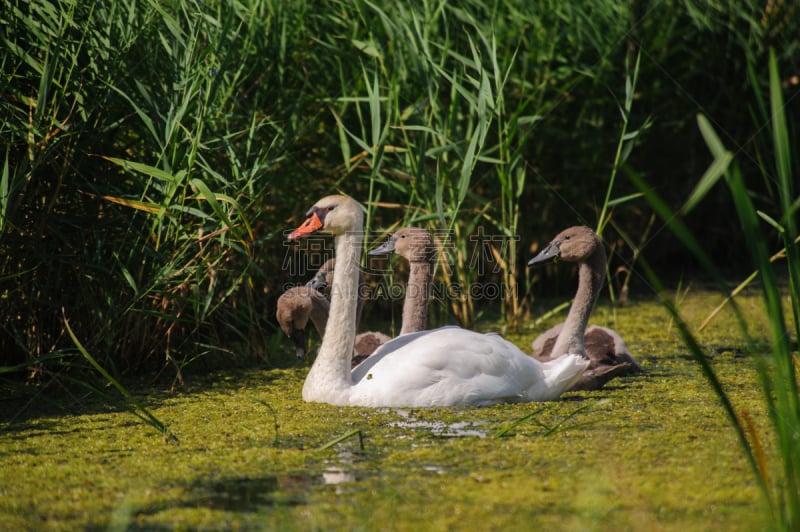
(648, 452)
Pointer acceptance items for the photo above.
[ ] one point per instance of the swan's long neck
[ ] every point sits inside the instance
(329, 379)
(363, 291)
(591, 275)
(415, 306)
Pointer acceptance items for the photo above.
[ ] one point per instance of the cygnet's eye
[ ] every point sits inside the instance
(402, 236)
(567, 237)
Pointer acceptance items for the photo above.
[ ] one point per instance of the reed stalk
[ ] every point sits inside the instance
(778, 473)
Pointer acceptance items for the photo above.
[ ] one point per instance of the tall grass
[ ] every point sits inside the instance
(440, 121)
(777, 472)
(436, 148)
(140, 156)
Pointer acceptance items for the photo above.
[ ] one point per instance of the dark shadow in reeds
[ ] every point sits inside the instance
(777, 473)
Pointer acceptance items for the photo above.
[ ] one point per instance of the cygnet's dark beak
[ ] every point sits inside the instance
(385, 248)
(318, 283)
(549, 254)
(299, 340)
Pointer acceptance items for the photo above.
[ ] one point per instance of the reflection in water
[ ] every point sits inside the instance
(337, 475)
(247, 494)
(456, 429)
(257, 494)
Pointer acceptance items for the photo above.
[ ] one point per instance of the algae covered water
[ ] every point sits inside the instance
(653, 451)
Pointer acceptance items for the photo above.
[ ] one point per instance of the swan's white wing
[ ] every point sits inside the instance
(452, 366)
(561, 374)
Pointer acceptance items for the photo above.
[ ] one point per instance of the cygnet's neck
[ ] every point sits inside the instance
(329, 379)
(415, 306)
(320, 309)
(591, 274)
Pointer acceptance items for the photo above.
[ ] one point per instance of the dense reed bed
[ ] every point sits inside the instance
(155, 152)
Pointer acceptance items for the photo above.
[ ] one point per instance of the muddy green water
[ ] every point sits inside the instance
(650, 452)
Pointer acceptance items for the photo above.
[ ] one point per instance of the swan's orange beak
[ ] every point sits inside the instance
(311, 225)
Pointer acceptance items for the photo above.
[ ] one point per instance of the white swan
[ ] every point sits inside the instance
(603, 347)
(442, 367)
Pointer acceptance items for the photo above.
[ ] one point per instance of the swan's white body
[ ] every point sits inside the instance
(454, 366)
(443, 367)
